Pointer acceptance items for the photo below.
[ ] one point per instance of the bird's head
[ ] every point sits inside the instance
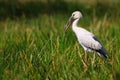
(75, 15)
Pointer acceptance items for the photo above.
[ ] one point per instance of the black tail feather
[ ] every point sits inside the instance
(102, 52)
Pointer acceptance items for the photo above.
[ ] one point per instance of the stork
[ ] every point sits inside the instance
(87, 40)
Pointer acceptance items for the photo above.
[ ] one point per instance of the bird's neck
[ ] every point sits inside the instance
(74, 24)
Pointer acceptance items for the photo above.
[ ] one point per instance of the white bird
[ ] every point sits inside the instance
(88, 40)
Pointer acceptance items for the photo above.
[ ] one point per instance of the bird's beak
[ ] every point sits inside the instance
(71, 19)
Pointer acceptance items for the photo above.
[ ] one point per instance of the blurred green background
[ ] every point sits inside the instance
(33, 45)
(33, 8)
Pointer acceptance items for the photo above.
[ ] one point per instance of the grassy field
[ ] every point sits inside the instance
(36, 48)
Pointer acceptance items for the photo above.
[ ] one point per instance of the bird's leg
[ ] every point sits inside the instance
(86, 59)
(83, 62)
(93, 60)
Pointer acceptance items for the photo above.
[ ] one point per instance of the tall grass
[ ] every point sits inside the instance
(38, 48)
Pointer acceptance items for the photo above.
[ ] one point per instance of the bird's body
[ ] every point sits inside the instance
(88, 40)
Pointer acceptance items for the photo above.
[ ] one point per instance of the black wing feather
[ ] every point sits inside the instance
(95, 38)
(101, 51)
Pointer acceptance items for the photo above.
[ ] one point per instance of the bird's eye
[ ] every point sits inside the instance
(73, 15)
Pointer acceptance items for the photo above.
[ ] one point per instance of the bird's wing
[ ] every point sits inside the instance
(91, 42)
(88, 39)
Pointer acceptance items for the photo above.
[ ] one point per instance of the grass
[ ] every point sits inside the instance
(36, 48)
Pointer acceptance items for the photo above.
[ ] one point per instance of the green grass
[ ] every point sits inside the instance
(36, 49)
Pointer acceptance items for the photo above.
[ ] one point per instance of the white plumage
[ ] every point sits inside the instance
(88, 41)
